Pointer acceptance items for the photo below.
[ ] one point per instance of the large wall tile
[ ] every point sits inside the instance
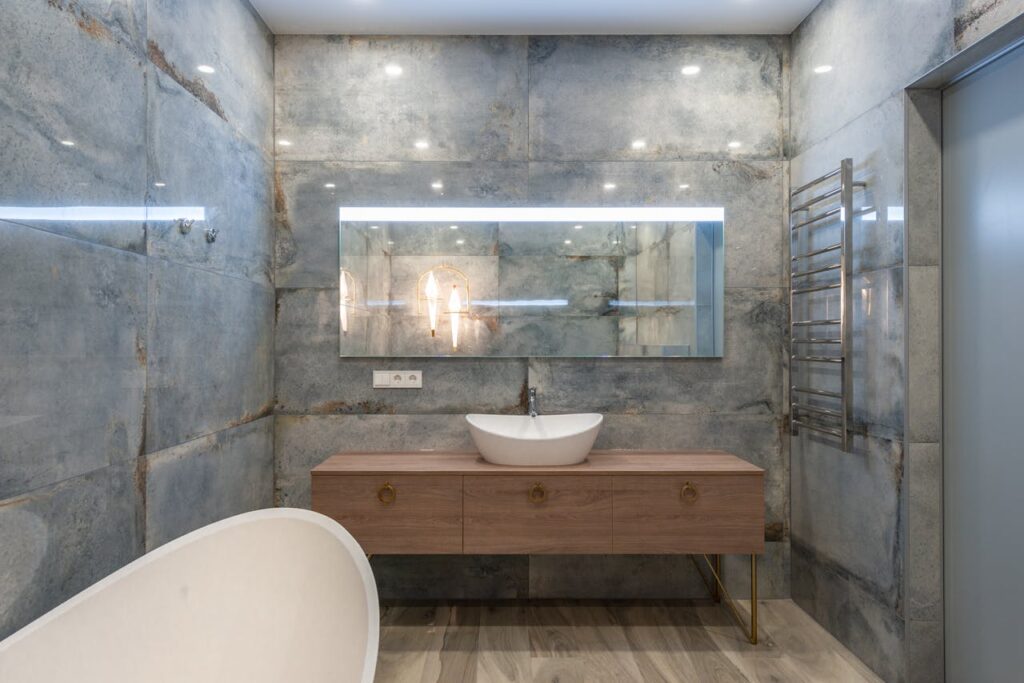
(200, 161)
(747, 379)
(975, 19)
(452, 577)
(72, 357)
(210, 353)
(752, 193)
(838, 601)
(847, 508)
(875, 143)
(924, 532)
(592, 97)
(301, 442)
(199, 482)
(231, 38)
(464, 95)
(312, 379)
(74, 72)
(61, 539)
(307, 211)
(875, 50)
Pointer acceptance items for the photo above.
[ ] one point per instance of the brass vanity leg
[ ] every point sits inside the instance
(720, 590)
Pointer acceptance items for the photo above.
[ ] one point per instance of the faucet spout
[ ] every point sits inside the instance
(531, 396)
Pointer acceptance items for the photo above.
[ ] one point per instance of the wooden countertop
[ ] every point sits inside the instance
(599, 462)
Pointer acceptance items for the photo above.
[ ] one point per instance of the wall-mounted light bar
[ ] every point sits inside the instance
(576, 214)
(102, 213)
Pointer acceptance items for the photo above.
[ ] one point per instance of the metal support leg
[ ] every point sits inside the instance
(718, 589)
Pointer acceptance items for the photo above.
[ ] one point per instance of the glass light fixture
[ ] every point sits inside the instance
(430, 291)
(454, 309)
(347, 299)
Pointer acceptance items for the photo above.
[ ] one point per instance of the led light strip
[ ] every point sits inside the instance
(578, 214)
(102, 213)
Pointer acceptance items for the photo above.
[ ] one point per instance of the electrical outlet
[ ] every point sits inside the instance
(397, 379)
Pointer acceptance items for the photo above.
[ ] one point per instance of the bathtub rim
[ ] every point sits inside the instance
(339, 532)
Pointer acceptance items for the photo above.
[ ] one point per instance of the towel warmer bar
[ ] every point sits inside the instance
(826, 201)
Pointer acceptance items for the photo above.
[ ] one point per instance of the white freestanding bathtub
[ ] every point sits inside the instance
(267, 596)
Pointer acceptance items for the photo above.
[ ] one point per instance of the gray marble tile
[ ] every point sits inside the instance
(615, 577)
(311, 378)
(924, 532)
(747, 379)
(208, 479)
(830, 490)
(752, 193)
(63, 538)
(75, 75)
(924, 177)
(465, 96)
(231, 38)
(72, 357)
(307, 211)
(925, 652)
(870, 629)
(975, 19)
(592, 97)
(875, 143)
(301, 442)
(451, 577)
(199, 161)
(210, 353)
(773, 573)
(874, 48)
(924, 354)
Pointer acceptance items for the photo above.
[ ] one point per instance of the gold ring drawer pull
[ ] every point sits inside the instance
(387, 493)
(538, 494)
(688, 493)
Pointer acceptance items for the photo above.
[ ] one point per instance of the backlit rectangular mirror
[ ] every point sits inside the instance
(525, 281)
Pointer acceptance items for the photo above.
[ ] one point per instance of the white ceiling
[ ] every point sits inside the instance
(536, 17)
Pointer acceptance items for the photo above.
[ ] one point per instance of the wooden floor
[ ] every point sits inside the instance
(565, 642)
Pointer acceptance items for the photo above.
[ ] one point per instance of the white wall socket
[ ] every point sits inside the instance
(397, 379)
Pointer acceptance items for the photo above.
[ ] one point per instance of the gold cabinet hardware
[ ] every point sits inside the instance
(538, 494)
(688, 493)
(387, 493)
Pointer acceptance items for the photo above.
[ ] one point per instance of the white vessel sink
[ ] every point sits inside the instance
(535, 441)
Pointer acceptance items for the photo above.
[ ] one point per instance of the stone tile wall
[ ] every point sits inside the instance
(135, 361)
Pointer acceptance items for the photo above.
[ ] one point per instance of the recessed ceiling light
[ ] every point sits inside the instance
(393, 70)
(684, 186)
(632, 227)
(68, 143)
(690, 70)
(285, 143)
(568, 241)
(735, 144)
(374, 227)
(329, 186)
(453, 227)
(639, 144)
(421, 144)
(391, 241)
(610, 186)
(206, 69)
(159, 184)
(823, 69)
(578, 227)
(460, 241)
(437, 185)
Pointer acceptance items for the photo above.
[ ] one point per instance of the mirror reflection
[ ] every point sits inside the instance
(531, 282)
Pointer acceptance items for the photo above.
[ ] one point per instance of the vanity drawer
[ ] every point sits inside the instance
(539, 514)
(400, 514)
(717, 514)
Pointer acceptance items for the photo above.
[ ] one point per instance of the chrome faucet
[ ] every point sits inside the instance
(531, 396)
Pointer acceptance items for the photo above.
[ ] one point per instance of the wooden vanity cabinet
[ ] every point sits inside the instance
(614, 503)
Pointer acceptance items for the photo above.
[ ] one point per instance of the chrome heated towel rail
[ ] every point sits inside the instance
(821, 234)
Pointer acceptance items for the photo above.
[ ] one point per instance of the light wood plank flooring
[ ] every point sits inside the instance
(568, 641)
